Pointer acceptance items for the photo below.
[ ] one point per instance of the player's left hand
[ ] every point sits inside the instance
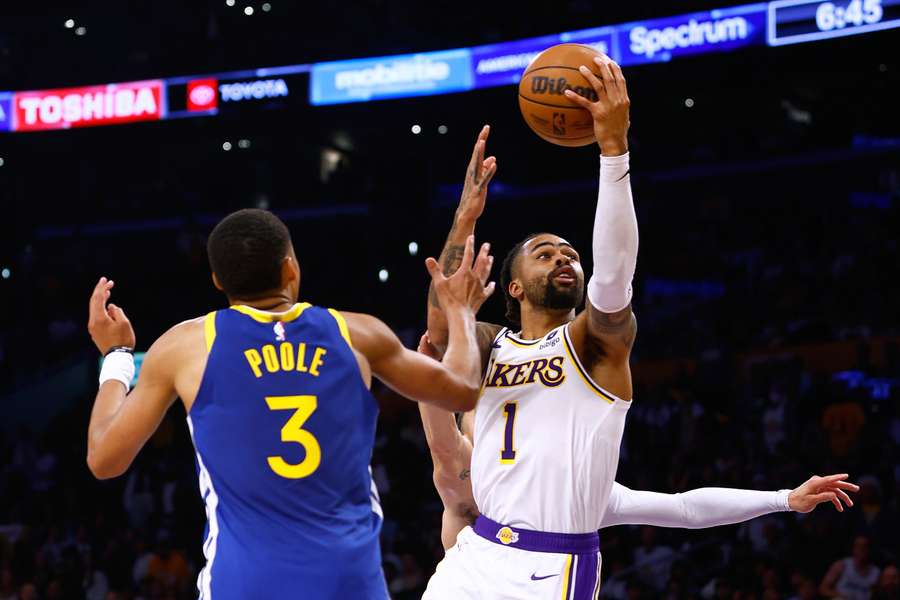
(832, 488)
(611, 110)
(107, 324)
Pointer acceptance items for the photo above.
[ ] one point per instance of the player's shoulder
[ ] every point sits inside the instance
(181, 336)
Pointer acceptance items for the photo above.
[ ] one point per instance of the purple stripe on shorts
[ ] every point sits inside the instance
(538, 541)
(585, 577)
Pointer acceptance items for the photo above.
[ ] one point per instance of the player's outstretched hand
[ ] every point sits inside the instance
(816, 490)
(107, 323)
(468, 286)
(478, 175)
(611, 110)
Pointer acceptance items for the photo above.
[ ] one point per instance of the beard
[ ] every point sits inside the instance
(543, 292)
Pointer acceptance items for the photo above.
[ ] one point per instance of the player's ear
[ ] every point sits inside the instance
(290, 270)
(216, 283)
(515, 289)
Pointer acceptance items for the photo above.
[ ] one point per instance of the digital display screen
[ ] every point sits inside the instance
(774, 23)
(796, 21)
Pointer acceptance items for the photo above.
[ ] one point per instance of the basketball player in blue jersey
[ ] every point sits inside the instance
(450, 444)
(279, 411)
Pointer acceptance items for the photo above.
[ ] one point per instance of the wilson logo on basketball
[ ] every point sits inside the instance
(541, 84)
(202, 94)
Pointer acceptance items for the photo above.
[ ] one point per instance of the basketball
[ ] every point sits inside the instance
(542, 100)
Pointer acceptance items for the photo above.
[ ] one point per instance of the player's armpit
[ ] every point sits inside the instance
(121, 424)
(409, 373)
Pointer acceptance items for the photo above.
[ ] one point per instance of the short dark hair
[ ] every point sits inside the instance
(513, 309)
(246, 250)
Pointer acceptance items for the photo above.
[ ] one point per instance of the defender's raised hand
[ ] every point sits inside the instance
(611, 110)
(468, 285)
(478, 175)
(107, 324)
(816, 490)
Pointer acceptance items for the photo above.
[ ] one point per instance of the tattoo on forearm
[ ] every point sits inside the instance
(465, 474)
(450, 260)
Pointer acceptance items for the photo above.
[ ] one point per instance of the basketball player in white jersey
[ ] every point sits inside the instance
(556, 389)
(451, 452)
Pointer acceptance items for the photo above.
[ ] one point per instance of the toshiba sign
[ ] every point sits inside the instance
(89, 106)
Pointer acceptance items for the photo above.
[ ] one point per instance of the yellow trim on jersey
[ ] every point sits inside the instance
(263, 316)
(567, 578)
(527, 343)
(581, 373)
(514, 342)
(342, 325)
(209, 330)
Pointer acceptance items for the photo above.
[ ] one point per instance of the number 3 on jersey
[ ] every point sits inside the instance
(508, 452)
(293, 431)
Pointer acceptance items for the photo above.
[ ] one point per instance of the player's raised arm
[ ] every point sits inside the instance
(453, 384)
(120, 422)
(712, 507)
(609, 319)
(471, 206)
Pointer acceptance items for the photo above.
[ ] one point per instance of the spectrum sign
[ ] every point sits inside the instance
(88, 106)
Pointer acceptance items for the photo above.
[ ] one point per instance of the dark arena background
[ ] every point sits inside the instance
(765, 164)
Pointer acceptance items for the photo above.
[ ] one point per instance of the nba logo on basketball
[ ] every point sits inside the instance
(507, 536)
(279, 331)
(559, 123)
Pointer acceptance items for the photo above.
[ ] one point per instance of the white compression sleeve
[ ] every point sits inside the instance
(615, 237)
(703, 507)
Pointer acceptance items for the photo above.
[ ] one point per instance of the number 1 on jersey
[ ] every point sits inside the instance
(508, 453)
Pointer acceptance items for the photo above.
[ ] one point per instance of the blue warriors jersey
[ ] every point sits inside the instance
(283, 426)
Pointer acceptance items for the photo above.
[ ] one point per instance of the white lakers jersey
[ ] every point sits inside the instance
(546, 437)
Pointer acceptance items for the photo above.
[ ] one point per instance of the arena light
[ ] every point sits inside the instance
(413, 248)
(416, 129)
(383, 275)
(6, 273)
(266, 7)
(81, 30)
(2, 162)
(229, 2)
(243, 144)
(226, 146)
(70, 23)
(689, 102)
(248, 11)
(442, 129)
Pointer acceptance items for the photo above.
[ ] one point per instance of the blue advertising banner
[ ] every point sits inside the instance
(660, 40)
(6, 112)
(391, 77)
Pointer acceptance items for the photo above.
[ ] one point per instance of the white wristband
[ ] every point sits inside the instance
(782, 499)
(118, 366)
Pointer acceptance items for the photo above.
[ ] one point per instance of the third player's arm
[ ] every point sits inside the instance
(471, 205)
(712, 507)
